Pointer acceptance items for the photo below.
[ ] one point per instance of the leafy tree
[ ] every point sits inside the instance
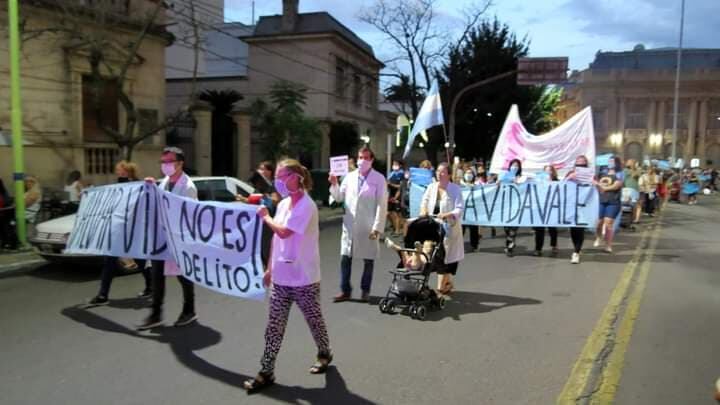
(344, 138)
(284, 128)
(491, 49)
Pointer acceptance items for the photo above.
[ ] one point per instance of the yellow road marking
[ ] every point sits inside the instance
(613, 370)
(581, 372)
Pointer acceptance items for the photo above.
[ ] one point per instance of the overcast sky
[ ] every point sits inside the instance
(573, 28)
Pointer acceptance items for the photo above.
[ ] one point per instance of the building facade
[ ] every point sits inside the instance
(631, 95)
(338, 69)
(60, 128)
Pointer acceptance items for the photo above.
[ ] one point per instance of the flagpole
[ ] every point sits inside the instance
(447, 145)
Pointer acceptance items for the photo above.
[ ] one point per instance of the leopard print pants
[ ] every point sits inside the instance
(281, 299)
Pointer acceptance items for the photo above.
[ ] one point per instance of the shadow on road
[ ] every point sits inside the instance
(469, 302)
(184, 342)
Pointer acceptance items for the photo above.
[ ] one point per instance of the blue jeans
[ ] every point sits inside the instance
(346, 270)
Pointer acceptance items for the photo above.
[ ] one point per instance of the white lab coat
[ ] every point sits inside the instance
(185, 188)
(365, 212)
(452, 201)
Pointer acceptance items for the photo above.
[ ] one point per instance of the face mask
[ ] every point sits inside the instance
(281, 188)
(468, 177)
(167, 169)
(364, 165)
(513, 169)
(407, 176)
(396, 167)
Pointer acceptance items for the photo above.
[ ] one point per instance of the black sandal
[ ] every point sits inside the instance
(322, 363)
(258, 383)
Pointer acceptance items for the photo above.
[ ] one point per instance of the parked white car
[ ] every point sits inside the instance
(51, 236)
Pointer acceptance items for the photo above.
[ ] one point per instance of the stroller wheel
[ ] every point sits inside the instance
(383, 305)
(441, 303)
(420, 312)
(413, 311)
(390, 307)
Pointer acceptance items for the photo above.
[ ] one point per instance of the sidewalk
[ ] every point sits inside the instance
(19, 259)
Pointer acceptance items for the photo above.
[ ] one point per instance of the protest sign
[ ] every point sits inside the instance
(553, 204)
(339, 165)
(119, 220)
(216, 245)
(559, 147)
(584, 175)
(421, 176)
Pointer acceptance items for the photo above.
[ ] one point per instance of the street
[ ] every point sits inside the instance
(515, 331)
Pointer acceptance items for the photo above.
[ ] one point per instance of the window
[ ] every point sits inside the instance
(636, 114)
(357, 89)
(101, 160)
(714, 114)
(99, 108)
(214, 190)
(370, 93)
(340, 78)
(599, 123)
(682, 115)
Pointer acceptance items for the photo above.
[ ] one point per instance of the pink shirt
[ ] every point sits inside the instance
(296, 260)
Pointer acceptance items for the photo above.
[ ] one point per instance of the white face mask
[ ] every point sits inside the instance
(468, 177)
(167, 169)
(396, 167)
(364, 165)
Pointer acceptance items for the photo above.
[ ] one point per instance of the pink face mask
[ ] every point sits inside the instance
(364, 165)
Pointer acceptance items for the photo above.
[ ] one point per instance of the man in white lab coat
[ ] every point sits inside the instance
(364, 192)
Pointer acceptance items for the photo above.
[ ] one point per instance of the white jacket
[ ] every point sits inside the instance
(452, 201)
(365, 211)
(184, 188)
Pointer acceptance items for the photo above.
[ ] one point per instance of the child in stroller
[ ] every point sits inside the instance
(422, 255)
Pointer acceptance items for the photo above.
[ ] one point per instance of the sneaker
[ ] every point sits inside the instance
(508, 252)
(597, 242)
(145, 294)
(185, 319)
(537, 253)
(98, 301)
(555, 251)
(152, 321)
(607, 249)
(341, 297)
(365, 297)
(575, 259)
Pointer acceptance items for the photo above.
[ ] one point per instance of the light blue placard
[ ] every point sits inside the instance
(553, 204)
(421, 176)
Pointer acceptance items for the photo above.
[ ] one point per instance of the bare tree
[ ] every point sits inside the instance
(418, 36)
(90, 28)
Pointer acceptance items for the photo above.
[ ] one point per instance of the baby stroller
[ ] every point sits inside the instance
(628, 200)
(410, 288)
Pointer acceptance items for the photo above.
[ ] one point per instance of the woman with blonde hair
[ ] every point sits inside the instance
(125, 172)
(293, 270)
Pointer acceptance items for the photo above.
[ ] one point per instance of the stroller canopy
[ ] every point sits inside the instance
(422, 229)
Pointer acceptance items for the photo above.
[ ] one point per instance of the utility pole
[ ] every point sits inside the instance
(676, 102)
(16, 121)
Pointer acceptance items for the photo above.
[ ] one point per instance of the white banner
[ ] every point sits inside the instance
(119, 220)
(215, 245)
(559, 147)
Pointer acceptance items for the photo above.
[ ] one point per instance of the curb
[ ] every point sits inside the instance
(19, 267)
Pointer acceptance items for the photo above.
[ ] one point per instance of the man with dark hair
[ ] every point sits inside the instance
(364, 192)
(179, 183)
